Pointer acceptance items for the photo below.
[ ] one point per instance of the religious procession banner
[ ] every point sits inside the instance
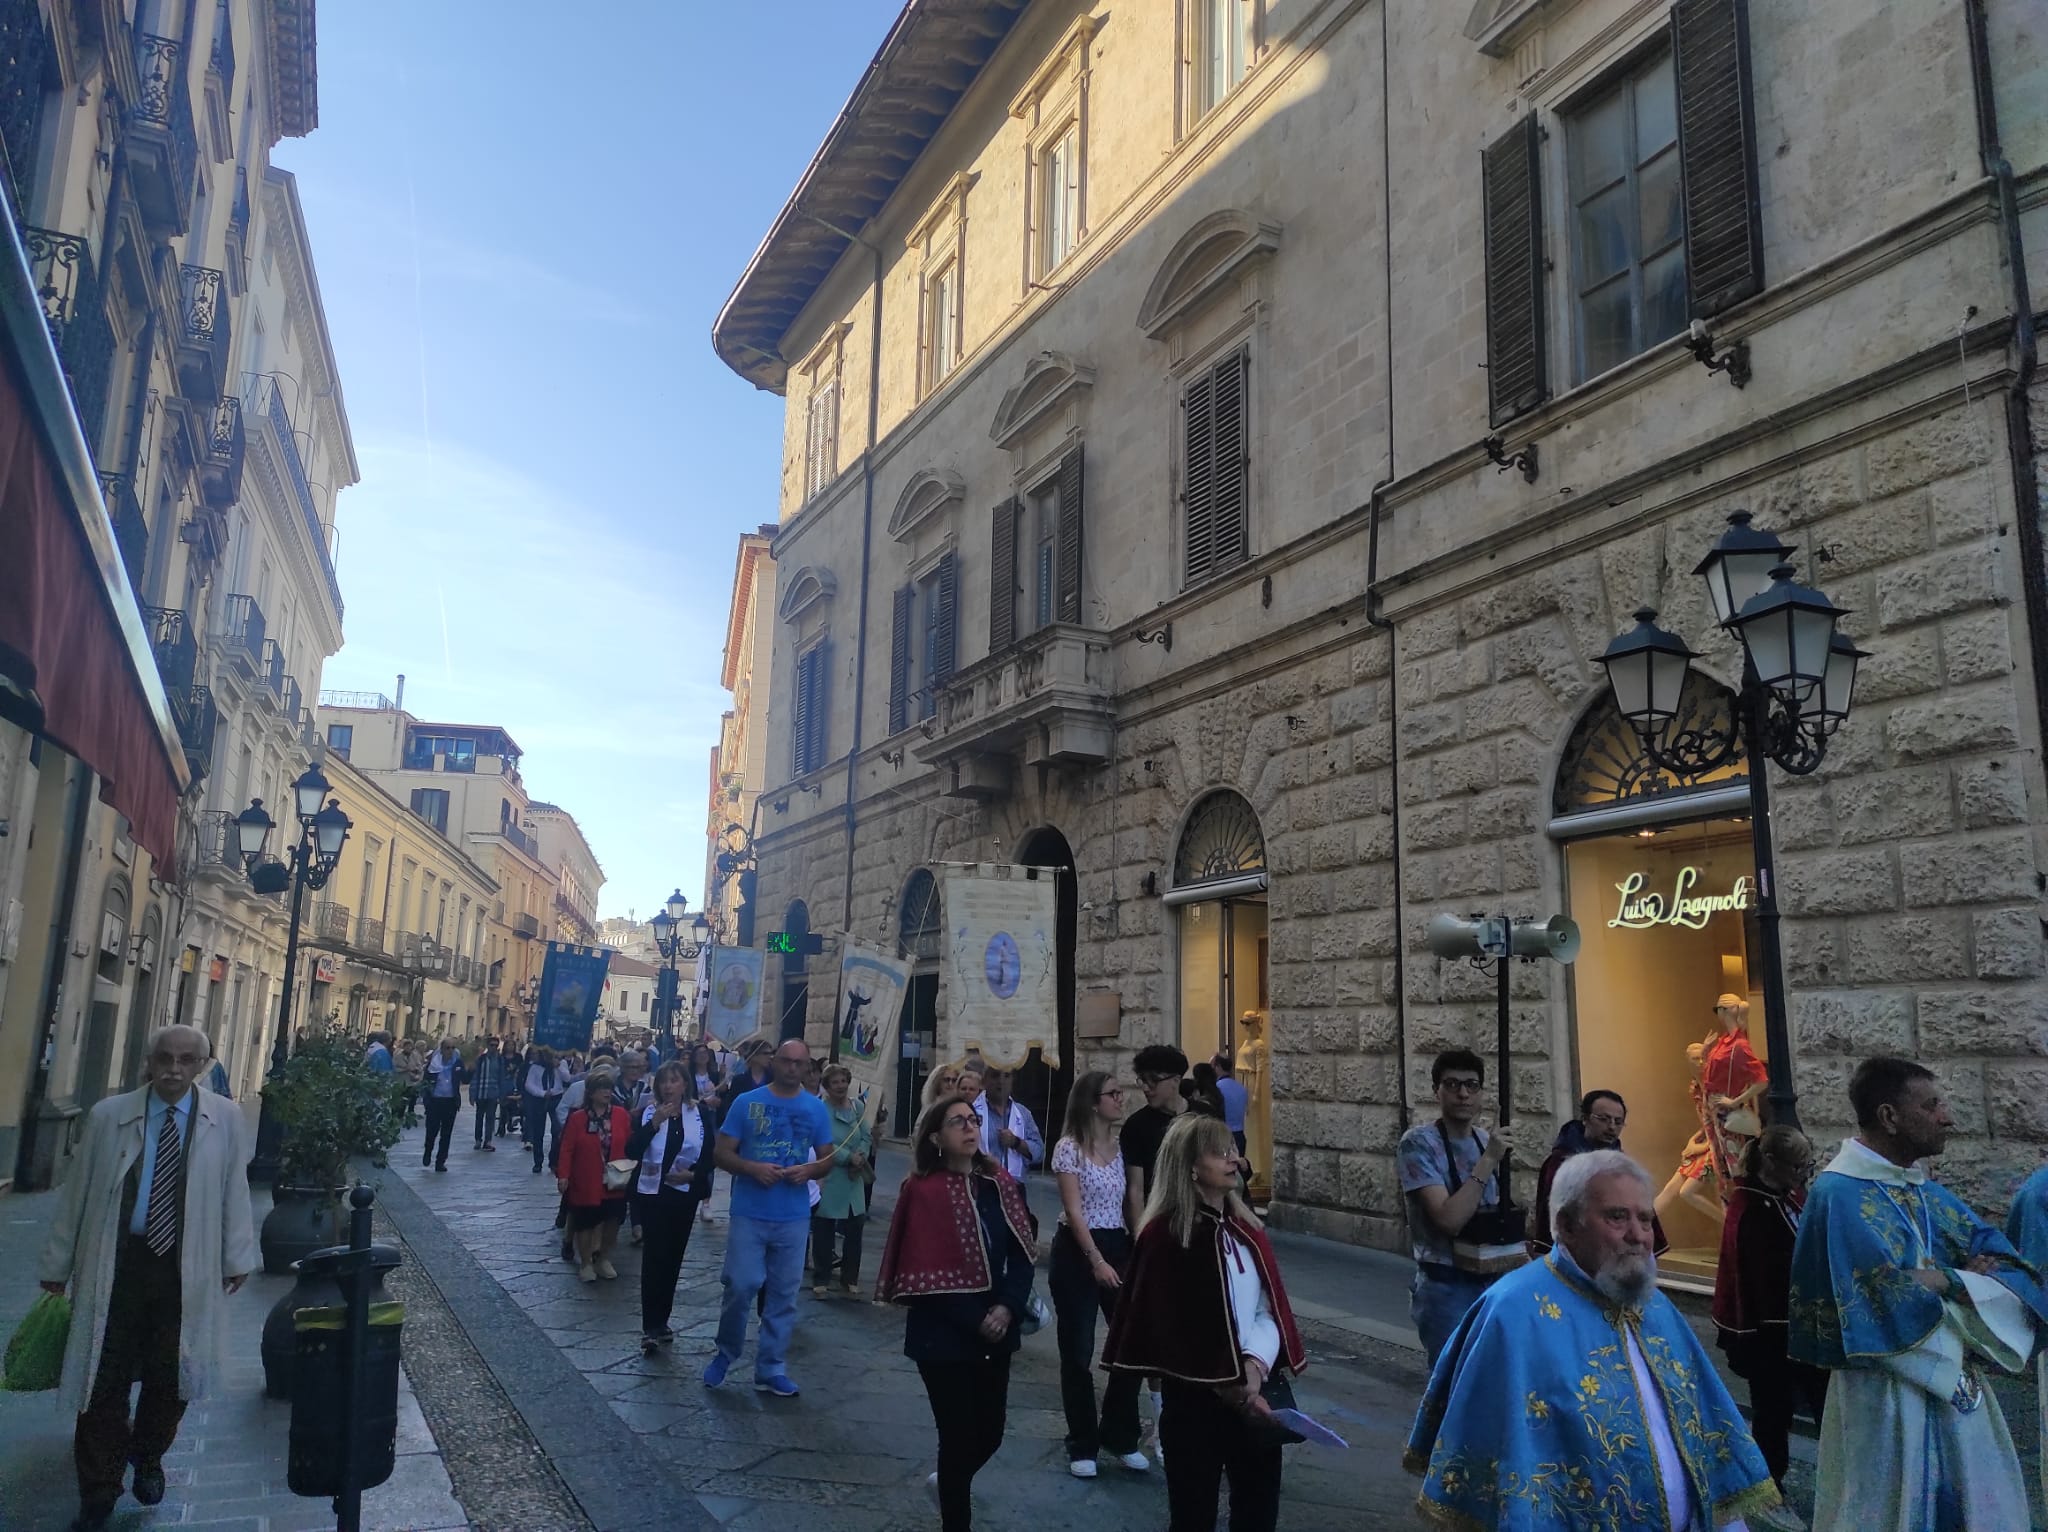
(1002, 971)
(732, 1009)
(871, 990)
(572, 982)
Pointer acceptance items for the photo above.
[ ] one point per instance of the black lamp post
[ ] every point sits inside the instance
(1798, 681)
(671, 940)
(309, 862)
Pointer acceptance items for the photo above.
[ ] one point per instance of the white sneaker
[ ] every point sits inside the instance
(931, 1487)
(1136, 1462)
(1082, 1468)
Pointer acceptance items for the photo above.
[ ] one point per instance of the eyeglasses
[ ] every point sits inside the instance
(1113, 1093)
(1459, 1086)
(969, 1121)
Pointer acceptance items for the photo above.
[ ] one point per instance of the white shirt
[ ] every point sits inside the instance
(1258, 1332)
(1020, 1122)
(690, 1153)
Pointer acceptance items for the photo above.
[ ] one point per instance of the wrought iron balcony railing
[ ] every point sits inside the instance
(75, 307)
(1046, 698)
(177, 652)
(24, 61)
(214, 842)
(268, 401)
(198, 720)
(242, 635)
(131, 532)
(270, 670)
(203, 335)
(330, 921)
(290, 699)
(525, 926)
(162, 148)
(220, 473)
(369, 933)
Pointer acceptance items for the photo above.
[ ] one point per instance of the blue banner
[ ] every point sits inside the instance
(571, 985)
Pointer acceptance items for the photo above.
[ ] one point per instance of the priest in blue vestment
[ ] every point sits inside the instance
(1575, 1396)
(1910, 1300)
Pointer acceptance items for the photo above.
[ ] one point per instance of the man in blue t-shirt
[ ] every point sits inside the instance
(765, 1142)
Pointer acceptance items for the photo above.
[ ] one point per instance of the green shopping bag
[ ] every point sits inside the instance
(35, 1356)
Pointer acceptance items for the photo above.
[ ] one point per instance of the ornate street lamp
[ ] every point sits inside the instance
(674, 945)
(309, 862)
(1798, 682)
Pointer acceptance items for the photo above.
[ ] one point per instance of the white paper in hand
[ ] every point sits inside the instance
(1308, 1428)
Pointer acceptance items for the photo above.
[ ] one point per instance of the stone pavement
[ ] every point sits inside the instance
(227, 1472)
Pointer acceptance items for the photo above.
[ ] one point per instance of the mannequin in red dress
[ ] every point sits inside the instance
(1728, 1080)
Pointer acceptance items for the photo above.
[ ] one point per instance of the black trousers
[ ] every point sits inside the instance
(486, 1121)
(665, 1220)
(441, 1113)
(144, 1314)
(850, 1231)
(970, 1403)
(1777, 1387)
(1204, 1440)
(1077, 1298)
(542, 1131)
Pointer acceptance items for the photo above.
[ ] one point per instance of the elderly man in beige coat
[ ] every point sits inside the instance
(153, 1230)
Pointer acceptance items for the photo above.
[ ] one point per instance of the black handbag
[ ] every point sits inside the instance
(1278, 1392)
(1494, 1229)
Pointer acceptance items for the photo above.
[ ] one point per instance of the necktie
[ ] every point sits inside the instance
(161, 1231)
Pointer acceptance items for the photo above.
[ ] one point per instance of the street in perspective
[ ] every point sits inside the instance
(927, 764)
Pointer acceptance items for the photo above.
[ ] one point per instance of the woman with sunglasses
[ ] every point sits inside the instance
(1098, 1209)
(959, 1257)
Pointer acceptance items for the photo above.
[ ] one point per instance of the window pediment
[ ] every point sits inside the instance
(1499, 27)
(1050, 379)
(928, 496)
(1216, 251)
(809, 589)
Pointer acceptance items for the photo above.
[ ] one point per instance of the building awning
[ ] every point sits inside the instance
(74, 651)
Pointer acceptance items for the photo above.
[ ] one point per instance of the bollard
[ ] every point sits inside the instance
(347, 1355)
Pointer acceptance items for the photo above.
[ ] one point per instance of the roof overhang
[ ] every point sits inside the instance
(294, 68)
(933, 53)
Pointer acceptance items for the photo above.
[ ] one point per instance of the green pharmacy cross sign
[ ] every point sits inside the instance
(796, 943)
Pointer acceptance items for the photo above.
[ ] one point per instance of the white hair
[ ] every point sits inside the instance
(157, 1038)
(1575, 1178)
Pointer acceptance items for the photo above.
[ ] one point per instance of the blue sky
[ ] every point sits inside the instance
(525, 218)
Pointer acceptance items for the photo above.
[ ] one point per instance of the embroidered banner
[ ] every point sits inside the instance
(1002, 971)
(732, 998)
(871, 990)
(572, 981)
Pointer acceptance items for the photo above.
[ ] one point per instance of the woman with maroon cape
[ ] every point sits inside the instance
(1203, 1309)
(959, 1257)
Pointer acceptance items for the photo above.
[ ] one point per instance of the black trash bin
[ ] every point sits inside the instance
(318, 1395)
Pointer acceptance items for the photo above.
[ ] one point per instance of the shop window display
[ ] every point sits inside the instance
(1224, 1009)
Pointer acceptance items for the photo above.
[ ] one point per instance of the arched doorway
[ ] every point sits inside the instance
(1219, 900)
(1660, 875)
(919, 933)
(796, 982)
(1041, 1089)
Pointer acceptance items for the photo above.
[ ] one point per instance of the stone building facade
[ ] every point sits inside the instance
(1236, 431)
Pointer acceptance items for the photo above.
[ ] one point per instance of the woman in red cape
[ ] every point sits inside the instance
(1203, 1309)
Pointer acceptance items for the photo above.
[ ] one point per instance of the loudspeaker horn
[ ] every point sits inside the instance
(1556, 938)
(1450, 937)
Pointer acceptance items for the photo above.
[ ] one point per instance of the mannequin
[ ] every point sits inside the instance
(1728, 1081)
(1695, 1161)
(1251, 1074)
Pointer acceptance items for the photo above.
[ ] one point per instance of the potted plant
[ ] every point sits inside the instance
(330, 1106)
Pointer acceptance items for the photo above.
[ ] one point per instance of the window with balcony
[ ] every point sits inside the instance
(1035, 574)
(923, 642)
(1220, 43)
(431, 804)
(340, 737)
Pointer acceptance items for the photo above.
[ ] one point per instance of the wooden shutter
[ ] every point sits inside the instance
(1067, 607)
(1215, 467)
(899, 660)
(800, 715)
(1724, 239)
(816, 709)
(949, 621)
(1516, 374)
(1002, 577)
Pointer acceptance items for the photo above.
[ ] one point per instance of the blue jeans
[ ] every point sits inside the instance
(762, 1256)
(1437, 1301)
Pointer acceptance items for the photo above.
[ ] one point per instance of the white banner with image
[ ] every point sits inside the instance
(1002, 962)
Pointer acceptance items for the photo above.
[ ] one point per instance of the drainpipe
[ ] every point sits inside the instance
(2020, 455)
(867, 535)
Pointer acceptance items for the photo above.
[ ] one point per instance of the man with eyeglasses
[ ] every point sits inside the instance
(1602, 1116)
(1159, 1068)
(1449, 1172)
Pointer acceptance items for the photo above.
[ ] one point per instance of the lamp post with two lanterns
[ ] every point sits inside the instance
(309, 862)
(1798, 682)
(676, 942)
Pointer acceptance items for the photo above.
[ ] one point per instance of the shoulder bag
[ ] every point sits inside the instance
(1494, 1238)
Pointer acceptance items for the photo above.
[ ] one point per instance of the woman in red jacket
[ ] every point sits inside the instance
(594, 1135)
(1203, 1310)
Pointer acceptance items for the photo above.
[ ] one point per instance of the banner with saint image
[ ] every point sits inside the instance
(572, 983)
(732, 998)
(1002, 968)
(871, 990)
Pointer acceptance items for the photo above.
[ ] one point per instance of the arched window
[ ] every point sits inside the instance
(918, 925)
(1604, 763)
(1221, 839)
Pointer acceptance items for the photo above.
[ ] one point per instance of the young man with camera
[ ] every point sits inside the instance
(1451, 1177)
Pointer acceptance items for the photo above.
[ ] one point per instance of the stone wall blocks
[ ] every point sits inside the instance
(1855, 1022)
(1986, 1172)
(1332, 848)
(1823, 1085)
(2008, 943)
(1376, 1129)
(1903, 665)
(1465, 769)
(1469, 871)
(1371, 660)
(2016, 1098)
(1963, 1086)
(1432, 1029)
(1984, 869)
(1954, 724)
(1505, 811)
(1357, 797)
(1527, 705)
(1904, 948)
(1293, 1032)
(1379, 1032)
(1954, 580)
(1810, 490)
(1372, 746)
(1888, 807)
(1429, 632)
(1990, 793)
(1934, 449)
(1848, 883)
(1977, 647)
(1463, 669)
(1434, 826)
(1963, 508)
(1813, 953)
(1802, 819)
(1368, 1181)
(1354, 709)
(2003, 1019)
(1336, 1034)
(1522, 863)
(1883, 532)
(1430, 728)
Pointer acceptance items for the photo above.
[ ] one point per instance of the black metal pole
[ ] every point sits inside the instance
(269, 1131)
(1505, 1065)
(1781, 1094)
(355, 1277)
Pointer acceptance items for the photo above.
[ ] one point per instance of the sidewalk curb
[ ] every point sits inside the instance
(607, 1471)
